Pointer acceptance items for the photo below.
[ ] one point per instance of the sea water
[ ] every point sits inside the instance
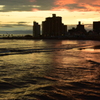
(49, 70)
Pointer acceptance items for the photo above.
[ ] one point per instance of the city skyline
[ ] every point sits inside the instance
(53, 27)
(20, 14)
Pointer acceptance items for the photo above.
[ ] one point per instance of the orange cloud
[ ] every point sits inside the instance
(90, 2)
(77, 5)
(63, 2)
(34, 9)
(89, 7)
(97, 2)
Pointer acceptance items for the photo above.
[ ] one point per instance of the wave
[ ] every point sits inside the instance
(93, 62)
(70, 91)
(11, 51)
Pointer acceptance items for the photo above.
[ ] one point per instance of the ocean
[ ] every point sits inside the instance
(49, 70)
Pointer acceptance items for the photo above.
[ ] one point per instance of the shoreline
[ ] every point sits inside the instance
(54, 38)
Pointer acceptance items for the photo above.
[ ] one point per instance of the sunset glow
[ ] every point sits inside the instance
(27, 11)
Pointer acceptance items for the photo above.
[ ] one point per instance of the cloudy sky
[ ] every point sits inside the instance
(20, 14)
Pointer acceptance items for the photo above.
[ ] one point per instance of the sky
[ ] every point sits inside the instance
(16, 15)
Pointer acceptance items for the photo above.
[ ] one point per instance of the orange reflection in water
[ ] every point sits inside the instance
(91, 54)
(69, 42)
(91, 50)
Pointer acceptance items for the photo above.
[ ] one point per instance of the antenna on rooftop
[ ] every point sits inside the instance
(54, 15)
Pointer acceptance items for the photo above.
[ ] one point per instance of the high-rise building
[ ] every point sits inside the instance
(96, 27)
(36, 29)
(53, 27)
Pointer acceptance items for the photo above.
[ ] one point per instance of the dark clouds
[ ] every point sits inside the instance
(33, 5)
(11, 25)
(26, 5)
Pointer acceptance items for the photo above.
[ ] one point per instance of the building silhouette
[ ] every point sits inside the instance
(36, 29)
(53, 27)
(80, 27)
(79, 30)
(96, 27)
